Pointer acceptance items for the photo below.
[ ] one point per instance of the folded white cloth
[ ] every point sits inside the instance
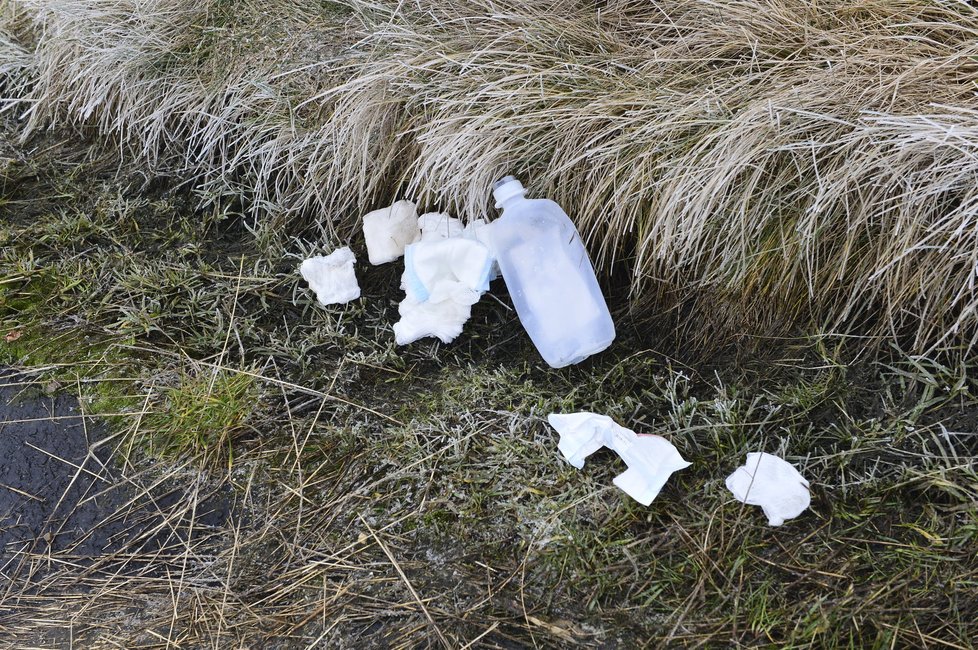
(478, 230)
(442, 279)
(332, 277)
(438, 225)
(388, 230)
(772, 483)
(438, 269)
(650, 459)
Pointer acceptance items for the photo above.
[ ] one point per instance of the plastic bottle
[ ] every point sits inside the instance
(549, 277)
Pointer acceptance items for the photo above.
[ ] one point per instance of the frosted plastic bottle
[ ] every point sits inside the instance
(549, 277)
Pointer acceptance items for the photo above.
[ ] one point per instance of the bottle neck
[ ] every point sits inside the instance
(511, 201)
(506, 190)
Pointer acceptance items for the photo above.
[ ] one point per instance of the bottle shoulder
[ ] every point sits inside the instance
(537, 209)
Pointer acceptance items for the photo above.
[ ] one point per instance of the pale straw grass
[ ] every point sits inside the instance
(769, 163)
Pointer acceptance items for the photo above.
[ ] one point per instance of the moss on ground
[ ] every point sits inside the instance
(406, 496)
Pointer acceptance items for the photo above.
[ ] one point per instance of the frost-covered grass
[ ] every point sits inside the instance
(414, 497)
(747, 166)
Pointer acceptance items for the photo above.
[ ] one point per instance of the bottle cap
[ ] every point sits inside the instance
(505, 189)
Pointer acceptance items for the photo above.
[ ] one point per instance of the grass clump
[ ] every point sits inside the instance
(200, 414)
(751, 165)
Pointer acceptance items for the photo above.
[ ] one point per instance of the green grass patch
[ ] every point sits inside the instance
(200, 414)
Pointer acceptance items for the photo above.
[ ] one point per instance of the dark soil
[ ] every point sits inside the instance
(62, 493)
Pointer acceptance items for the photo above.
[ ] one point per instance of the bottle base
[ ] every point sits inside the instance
(594, 349)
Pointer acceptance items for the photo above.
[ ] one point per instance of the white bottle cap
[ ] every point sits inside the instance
(505, 189)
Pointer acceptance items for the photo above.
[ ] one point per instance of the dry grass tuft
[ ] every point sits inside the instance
(795, 162)
(16, 65)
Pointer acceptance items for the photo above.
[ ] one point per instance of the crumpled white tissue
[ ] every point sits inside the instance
(478, 230)
(443, 319)
(772, 483)
(435, 226)
(438, 269)
(439, 225)
(442, 279)
(651, 459)
(388, 230)
(332, 277)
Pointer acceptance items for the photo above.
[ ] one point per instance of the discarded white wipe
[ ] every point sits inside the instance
(389, 230)
(442, 279)
(651, 459)
(772, 483)
(549, 277)
(332, 277)
(439, 225)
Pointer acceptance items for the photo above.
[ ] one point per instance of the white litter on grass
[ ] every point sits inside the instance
(772, 483)
(436, 226)
(332, 277)
(438, 269)
(651, 459)
(443, 320)
(389, 230)
(478, 230)
(442, 279)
